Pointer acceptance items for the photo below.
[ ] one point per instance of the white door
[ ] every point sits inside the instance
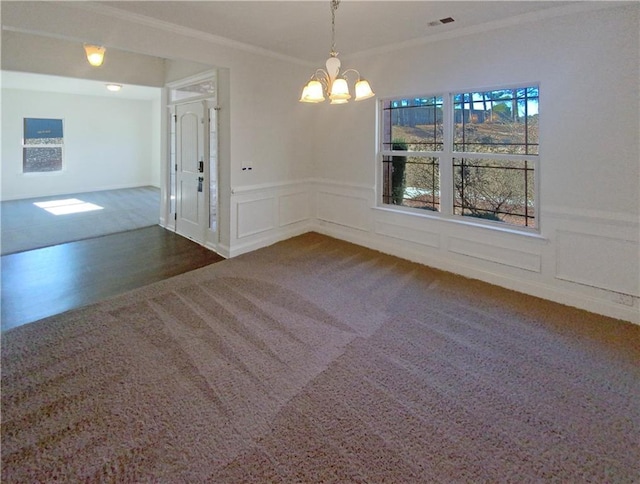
(192, 215)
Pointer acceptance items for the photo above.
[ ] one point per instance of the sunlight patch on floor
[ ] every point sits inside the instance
(67, 206)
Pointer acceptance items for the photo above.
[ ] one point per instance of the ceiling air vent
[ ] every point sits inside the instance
(442, 21)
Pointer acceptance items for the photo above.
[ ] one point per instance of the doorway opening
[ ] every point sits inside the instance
(193, 157)
(109, 144)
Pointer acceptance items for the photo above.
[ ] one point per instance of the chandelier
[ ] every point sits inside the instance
(330, 81)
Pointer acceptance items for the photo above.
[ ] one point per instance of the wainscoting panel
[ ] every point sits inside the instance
(347, 210)
(417, 236)
(292, 208)
(588, 262)
(598, 261)
(255, 216)
(494, 253)
(262, 215)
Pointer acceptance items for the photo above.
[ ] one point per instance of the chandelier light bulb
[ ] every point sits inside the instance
(312, 92)
(340, 90)
(304, 97)
(363, 90)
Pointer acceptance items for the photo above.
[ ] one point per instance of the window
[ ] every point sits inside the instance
(42, 145)
(197, 90)
(413, 133)
(469, 154)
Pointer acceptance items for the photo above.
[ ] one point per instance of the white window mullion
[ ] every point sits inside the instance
(446, 159)
(495, 156)
(380, 153)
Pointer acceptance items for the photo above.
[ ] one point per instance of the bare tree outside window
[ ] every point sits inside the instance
(505, 123)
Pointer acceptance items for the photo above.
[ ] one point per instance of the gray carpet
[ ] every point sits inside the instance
(315, 360)
(25, 226)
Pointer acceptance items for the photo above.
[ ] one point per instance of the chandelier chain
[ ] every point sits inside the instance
(334, 7)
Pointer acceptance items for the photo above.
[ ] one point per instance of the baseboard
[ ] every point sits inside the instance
(220, 249)
(82, 190)
(544, 291)
(271, 238)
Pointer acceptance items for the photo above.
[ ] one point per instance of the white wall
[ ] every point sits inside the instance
(587, 65)
(61, 57)
(179, 69)
(108, 143)
(268, 125)
(264, 126)
(314, 166)
(156, 161)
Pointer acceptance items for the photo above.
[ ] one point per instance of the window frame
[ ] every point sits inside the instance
(382, 153)
(446, 165)
(26, 146)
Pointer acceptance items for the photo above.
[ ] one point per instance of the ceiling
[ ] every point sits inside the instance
(46, 83)
(301, 29)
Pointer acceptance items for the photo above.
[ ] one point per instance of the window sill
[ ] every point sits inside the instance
(42, 173)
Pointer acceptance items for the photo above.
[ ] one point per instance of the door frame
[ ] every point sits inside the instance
(210, 102)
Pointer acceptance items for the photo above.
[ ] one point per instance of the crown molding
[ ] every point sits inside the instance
(139, 19)
(40, 33)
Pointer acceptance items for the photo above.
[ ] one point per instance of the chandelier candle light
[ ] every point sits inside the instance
(331, 81)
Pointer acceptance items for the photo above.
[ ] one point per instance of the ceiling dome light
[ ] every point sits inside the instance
(95, 54)
(334, 84)
(114, 87)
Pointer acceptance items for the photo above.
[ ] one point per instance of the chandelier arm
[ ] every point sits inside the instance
(324, 78)
(344, 74)
(322, 72)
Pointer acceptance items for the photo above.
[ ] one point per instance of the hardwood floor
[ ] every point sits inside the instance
(43, 282)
